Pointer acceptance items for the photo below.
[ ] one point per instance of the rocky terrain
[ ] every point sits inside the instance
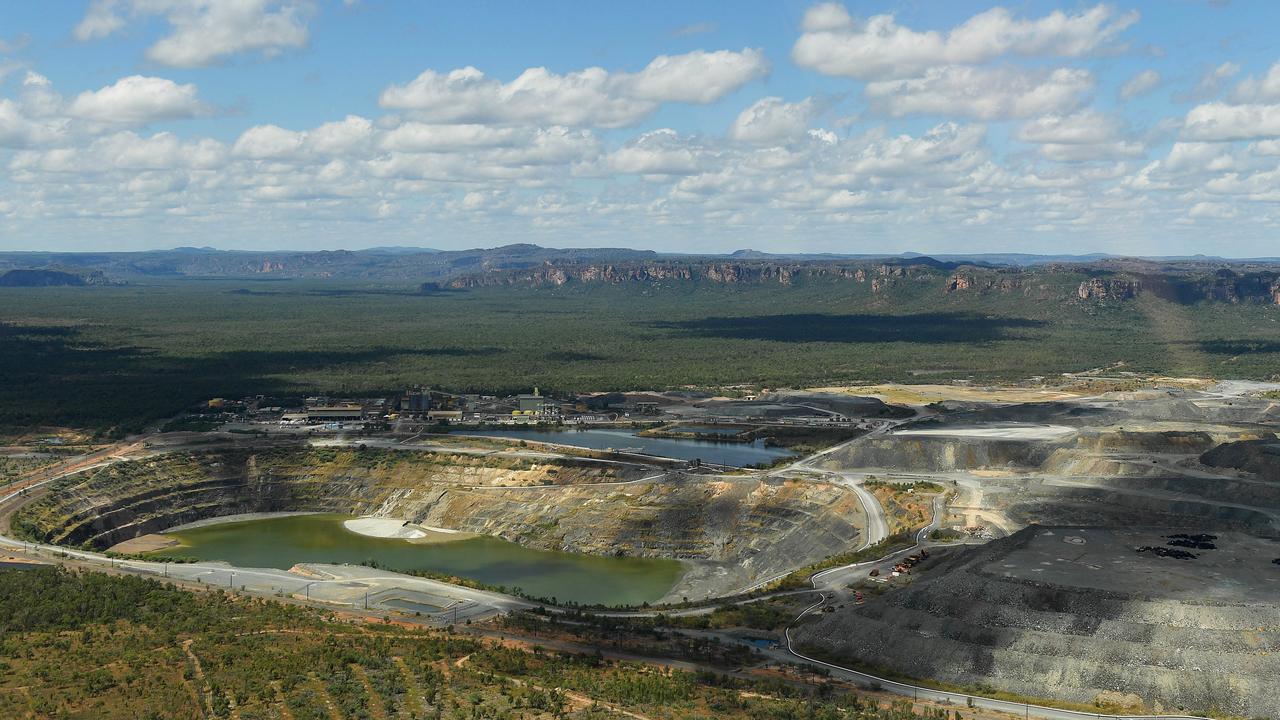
(1078, 614)
(734, 529)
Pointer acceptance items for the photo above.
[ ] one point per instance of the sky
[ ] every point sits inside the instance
(1132, 128)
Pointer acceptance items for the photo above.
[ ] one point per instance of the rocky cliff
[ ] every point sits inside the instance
(1224, 285)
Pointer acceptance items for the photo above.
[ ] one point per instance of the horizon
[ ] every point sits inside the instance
(1135, 128)
(799, 254)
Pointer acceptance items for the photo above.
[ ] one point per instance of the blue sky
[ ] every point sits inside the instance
(1130, 128)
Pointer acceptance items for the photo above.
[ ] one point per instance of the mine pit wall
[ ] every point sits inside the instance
(1184, 502)
(1091, 450)
(969, 626)
(734, 530)
(924, 453)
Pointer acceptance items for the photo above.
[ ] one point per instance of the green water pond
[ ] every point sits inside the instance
(282, 542)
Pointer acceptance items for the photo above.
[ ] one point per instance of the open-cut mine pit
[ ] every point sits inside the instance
(733, 530)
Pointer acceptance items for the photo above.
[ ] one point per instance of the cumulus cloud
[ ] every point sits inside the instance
(126, 151)
(661, 152)
(40, 115)
(771, 120)
(137, 100)
(697, 77)
(1089, 152)
(204, 32)
(590, 97)
(1089, 126)
(994, 93)
(834, 43)
(1260, 89)
(423, 137)
(100, 20)
(19, 131)
(1218, 121)
(271, 142)
(460, 152)
(1140, 84)
(1211, 210)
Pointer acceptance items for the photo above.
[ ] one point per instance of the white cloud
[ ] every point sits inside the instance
(1212, 210)
(590, 97)
(537, 96)
(1259, 186)
(18, 131)
(1140, 84)
(771, 120)
(875, 155)
(1265, 147)
(1218, 121)
(1087, 152)
(697, 77)
(833, 43)
(269, 142)
(1198, 157)
(1260, 89)
(137, 100)
(661, 152)
(1089, 126)
(351, 136)
(341, 137)
(423, 137)
(100, 20)
(126, 151)
(988, 94)
(204, 32)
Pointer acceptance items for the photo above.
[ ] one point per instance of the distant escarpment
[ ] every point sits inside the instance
(879, 275)
(40, 277)
(734, 530)
(1098, 282)
(1224, 285)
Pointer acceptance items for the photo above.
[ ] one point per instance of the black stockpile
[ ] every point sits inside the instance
(1175, 553)
(1199, 541)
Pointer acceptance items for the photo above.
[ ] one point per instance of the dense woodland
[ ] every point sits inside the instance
(119, 357)
(92, 646)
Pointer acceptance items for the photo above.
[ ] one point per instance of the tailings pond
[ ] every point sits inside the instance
(282, 542)
(737, 454)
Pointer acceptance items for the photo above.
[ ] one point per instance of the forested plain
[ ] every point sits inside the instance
(91, 646)
(115, 358)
